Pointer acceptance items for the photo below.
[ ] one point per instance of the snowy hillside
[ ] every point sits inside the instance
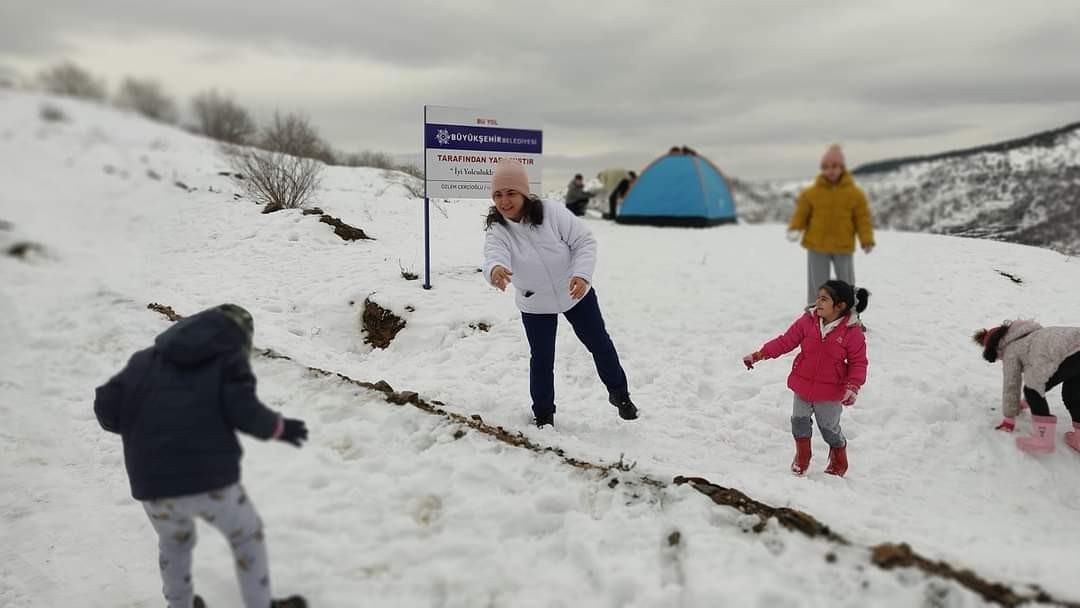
(1024, 192)
(392, 505)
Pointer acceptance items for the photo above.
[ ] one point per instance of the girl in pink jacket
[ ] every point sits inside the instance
(828, 371)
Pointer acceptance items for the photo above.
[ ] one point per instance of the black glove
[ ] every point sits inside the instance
(295, 432)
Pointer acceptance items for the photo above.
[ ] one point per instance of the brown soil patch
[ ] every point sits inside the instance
(380, 325)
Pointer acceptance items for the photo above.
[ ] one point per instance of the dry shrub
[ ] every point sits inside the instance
(147, 98)
(294, 134)
(70, 80)
(219, 117)
(275, 180)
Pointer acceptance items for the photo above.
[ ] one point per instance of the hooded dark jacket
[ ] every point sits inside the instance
(177, 406)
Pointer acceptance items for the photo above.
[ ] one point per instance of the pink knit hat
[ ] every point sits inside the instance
(833, 155)
(510, 174)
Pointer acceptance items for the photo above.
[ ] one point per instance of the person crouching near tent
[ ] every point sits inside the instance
(577, 197)
(549, 256)
(177, 406)
(1036, 358)
(828, 371)
(829, 214)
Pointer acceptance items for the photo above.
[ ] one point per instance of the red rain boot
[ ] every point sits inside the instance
(802, 456)
(1072, 438)
(837, 461)
(1041, 439)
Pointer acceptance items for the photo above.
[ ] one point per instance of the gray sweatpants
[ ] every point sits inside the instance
(228, 510)
(828, 420)
(817, 270)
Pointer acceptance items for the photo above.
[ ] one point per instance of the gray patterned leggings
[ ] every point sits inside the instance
(228, 510)
(828, 420)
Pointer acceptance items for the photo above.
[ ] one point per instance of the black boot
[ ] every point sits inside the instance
(198, 603)
(627, 409)
(293, 601)
(547, 418)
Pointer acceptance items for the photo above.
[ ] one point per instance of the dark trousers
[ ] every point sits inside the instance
(578, 207)
(588, 324)
(617, 195)
(1068, 376)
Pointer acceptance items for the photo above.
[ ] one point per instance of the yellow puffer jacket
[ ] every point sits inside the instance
(832, 215)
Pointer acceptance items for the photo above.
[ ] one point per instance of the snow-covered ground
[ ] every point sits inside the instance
(386, 506)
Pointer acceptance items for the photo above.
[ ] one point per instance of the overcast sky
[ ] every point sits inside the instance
(759, 87)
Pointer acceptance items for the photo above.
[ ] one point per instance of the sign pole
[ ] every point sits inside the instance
(427, 242)
(427, 216)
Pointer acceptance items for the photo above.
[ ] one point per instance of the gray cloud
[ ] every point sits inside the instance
(760, 87)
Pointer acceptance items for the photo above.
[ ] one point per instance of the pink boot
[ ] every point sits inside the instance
(1041, 440)
(1072, 438)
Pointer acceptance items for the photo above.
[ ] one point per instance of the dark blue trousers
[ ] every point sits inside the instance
(588, 324)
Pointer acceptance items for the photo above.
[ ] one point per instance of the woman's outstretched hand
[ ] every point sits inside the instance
(578, 287)
(500, 277)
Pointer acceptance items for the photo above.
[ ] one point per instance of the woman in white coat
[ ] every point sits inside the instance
(549, 256)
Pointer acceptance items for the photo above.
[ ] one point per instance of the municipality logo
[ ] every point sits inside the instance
(443, 137)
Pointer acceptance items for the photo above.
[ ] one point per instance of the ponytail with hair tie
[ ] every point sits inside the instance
(990, 340)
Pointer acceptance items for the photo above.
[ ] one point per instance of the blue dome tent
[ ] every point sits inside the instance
(679, 190)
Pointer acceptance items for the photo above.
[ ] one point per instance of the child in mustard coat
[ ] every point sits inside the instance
(829, 214)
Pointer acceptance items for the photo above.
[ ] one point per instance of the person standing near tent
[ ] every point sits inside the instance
(549, 256)
(576, 196)
(610, 180)
(829, 215)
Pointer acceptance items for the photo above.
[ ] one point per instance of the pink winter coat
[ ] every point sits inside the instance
(825, 366)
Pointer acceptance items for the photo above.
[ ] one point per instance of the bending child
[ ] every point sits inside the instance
(1036, 358)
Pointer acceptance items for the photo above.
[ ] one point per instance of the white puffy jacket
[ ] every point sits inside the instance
(543, 258)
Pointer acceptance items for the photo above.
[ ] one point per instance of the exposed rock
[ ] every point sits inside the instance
(345, 231)
(383, 387)
(23, 249)
(171, 314)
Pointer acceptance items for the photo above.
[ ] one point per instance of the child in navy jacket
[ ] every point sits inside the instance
(177, 406)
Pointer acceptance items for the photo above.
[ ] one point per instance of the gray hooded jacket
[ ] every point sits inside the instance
(1030, 354)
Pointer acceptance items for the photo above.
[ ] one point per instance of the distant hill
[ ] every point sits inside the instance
(1046, 139)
